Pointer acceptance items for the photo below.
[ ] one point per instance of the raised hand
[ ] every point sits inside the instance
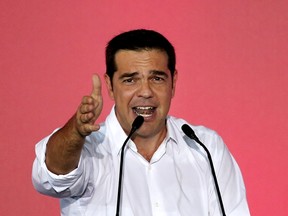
(64, 147)
(90, 109)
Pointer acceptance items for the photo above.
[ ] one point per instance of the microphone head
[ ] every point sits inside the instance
(137, 122)
(188, 131)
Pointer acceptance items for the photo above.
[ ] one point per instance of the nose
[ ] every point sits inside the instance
(145, 90)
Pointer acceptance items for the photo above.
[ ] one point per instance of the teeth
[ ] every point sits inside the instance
(144, 108)
(144, 111)
(144, 115)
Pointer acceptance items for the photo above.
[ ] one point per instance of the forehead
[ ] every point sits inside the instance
(125, 59)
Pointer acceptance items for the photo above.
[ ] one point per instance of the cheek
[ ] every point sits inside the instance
(165, 97)
(122, 96)
(168, 96)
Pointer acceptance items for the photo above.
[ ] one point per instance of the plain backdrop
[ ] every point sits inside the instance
(232, 65)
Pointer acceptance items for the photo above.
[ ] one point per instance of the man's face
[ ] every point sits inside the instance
(142, 85)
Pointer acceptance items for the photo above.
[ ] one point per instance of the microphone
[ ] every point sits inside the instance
(135, 126)
(191, 134)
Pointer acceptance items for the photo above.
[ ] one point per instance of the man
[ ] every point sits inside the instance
(165, 172)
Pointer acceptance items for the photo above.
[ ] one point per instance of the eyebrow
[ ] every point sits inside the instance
(128, 74)
(152, 72)
(160, 73)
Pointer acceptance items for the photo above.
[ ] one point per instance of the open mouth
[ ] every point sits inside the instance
(144, 111)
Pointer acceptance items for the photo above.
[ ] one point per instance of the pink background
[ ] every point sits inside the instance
(232, 63)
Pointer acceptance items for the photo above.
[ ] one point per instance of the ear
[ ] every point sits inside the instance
(109, 86)
(174, 80)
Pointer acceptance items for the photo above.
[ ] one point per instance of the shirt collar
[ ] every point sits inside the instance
(115, 133)
(171, 132)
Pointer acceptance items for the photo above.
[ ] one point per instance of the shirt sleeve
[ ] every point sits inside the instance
(60, 186)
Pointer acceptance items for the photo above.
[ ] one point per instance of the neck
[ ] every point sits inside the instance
(147, 146)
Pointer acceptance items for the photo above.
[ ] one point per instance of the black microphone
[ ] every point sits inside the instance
(191, 134)
(135, 126)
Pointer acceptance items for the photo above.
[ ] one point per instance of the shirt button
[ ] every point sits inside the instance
(156, 204)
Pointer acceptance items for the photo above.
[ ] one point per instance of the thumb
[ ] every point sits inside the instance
(96, 90)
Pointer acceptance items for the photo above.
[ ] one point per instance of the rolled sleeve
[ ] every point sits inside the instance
(48, 183)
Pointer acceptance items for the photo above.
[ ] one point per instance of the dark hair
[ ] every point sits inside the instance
(137, 40)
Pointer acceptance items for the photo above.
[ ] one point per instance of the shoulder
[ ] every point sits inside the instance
(200, 130)
(211, 139)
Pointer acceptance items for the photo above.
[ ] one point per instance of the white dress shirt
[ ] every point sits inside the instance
(176, 182)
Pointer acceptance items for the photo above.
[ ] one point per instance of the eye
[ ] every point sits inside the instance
(158, 79)
(128, 81)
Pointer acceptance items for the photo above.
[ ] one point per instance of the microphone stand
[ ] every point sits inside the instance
(135, 125)
(191, 134)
